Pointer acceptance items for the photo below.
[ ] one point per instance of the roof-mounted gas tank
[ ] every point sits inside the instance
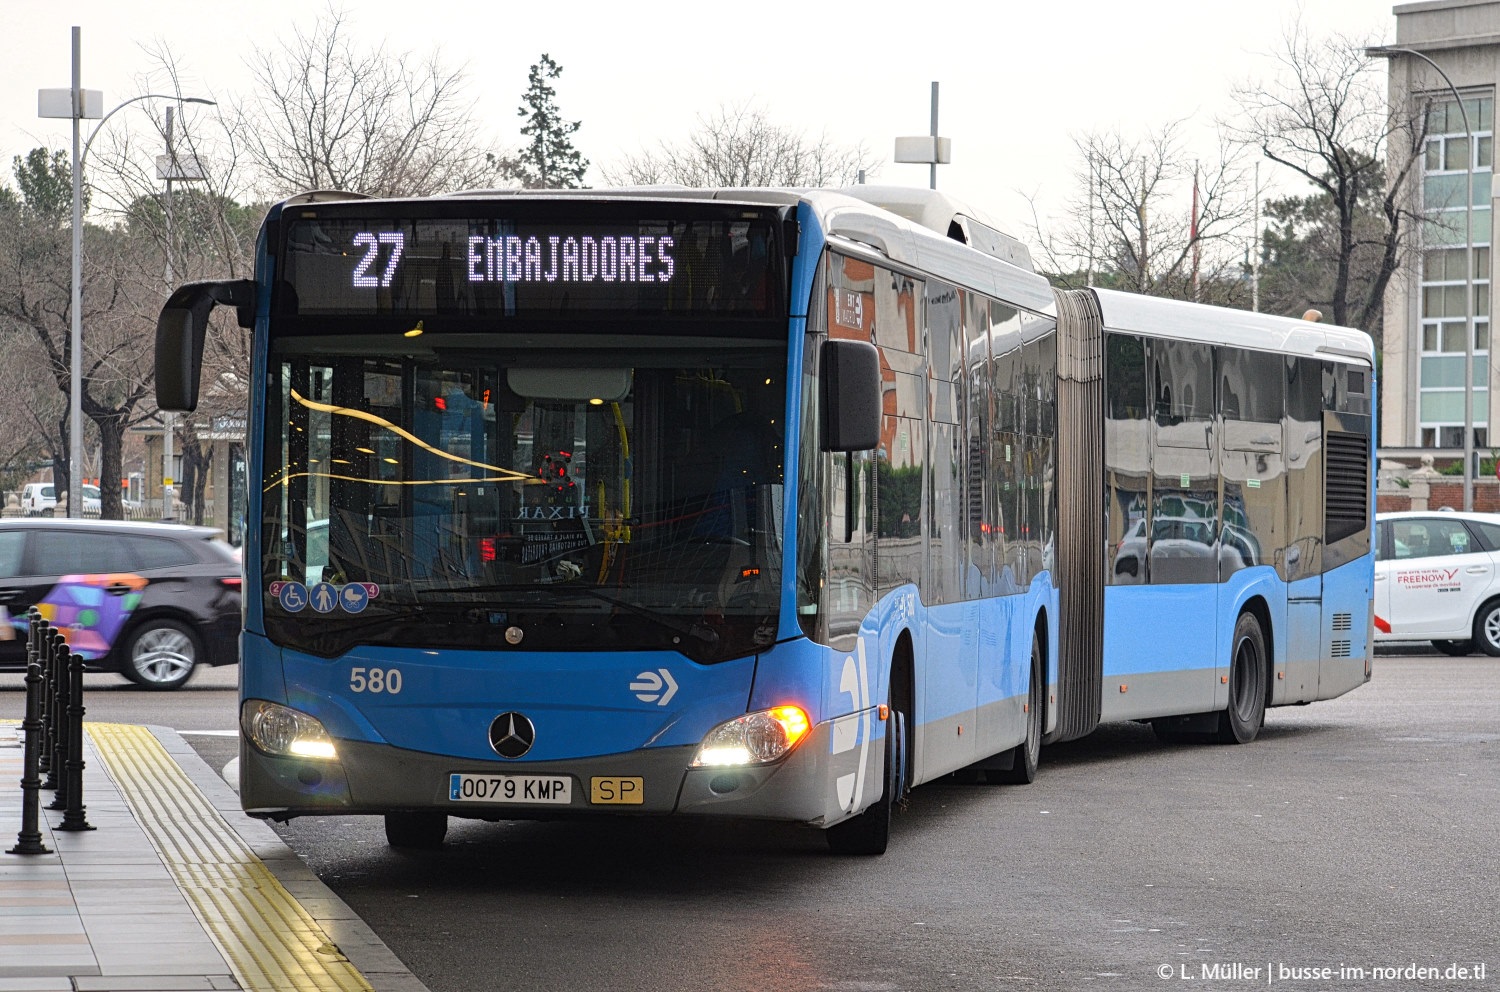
(948, 217)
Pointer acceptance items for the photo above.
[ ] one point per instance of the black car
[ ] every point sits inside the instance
(189, 610)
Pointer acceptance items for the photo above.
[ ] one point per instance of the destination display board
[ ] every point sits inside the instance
(495, 266)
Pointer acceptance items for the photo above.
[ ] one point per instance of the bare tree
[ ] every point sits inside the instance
(35, 253)
(201, 232)
(739, 145)
(326, 114)
(1326, 116)
(1144, 216)
(30, 408)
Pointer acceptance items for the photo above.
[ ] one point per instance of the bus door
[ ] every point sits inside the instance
(1252, 530)
(1302, 559)
(952, 636)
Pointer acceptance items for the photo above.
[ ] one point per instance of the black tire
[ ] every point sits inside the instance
(869, 833)
(1457, 649)
(416, 831)
(161, 654)
(1025, 755)
(1242, 719)
(1487, 628)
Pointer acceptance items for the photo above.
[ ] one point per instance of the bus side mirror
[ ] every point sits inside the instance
(180, 331)
(851, 396)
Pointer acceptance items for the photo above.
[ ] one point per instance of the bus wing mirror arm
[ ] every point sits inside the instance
(852, 396)
(180, 331)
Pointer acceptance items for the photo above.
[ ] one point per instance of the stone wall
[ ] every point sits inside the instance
(1425, 489)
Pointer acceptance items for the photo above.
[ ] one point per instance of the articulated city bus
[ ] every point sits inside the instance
(756, 503)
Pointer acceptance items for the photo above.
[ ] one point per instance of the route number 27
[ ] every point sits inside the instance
(375, 680)
(371, 243)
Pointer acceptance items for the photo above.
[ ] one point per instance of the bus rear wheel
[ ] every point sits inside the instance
(1241, 720)
(1024, 757)
(416, 831)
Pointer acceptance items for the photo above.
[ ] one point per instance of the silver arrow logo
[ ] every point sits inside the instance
(648, 687)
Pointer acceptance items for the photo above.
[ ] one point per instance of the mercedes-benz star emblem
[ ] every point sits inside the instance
(511, 735)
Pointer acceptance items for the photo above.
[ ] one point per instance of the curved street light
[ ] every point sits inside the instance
(80, 104)
(136, 99)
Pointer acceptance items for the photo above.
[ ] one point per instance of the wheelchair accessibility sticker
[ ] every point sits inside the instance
(323, 597)
(292, 596)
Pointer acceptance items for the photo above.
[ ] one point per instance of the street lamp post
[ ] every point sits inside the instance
(80, 104)
(1468, 268)
(75, 103)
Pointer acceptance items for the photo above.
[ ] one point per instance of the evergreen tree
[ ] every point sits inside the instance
(548, 160)
(46, 182)
(1300, 252)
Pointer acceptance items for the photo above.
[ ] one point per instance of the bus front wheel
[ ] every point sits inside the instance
(1241, 721)
(416, 831)
(869, 833)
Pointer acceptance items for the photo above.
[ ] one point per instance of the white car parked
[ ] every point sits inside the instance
(1437, 578)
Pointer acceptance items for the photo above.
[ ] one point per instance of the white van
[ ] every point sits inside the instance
(36, 497)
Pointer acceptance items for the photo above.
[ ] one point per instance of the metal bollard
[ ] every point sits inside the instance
(57, 652)
(38, 637)
(29, 839)
(74, 818)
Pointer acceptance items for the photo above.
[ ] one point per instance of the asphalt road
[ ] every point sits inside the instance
(1356, 833)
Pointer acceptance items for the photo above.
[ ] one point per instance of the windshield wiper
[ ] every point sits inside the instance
(706, 636)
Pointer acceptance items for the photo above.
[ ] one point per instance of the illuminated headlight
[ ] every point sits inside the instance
(753, 739)
(285, 732)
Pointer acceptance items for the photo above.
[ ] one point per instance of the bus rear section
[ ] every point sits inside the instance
(1238, 509)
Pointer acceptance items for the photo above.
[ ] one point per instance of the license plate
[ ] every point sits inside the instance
(556, 790)
(617, 791)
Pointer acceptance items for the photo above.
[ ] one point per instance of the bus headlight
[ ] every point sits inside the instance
(753, 739)
(285, 732)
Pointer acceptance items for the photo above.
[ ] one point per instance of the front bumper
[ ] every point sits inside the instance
(803, 787)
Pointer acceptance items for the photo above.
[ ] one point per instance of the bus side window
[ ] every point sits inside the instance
(1185, 483)
(1127, 470)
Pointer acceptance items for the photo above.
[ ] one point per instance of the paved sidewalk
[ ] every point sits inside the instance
(176, 891)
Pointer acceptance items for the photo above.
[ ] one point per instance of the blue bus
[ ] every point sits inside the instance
(756, 503)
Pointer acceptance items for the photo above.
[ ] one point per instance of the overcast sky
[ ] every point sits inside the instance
(1018, 77)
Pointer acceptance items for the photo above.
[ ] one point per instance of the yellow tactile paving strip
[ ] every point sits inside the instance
(270, 941)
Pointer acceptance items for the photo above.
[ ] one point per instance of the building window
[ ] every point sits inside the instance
(1443, 307)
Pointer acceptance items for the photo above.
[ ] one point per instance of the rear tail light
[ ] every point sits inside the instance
(233, 583)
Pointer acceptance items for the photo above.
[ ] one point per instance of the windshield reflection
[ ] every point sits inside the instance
(595, 505)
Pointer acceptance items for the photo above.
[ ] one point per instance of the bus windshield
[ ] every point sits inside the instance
(604, 495)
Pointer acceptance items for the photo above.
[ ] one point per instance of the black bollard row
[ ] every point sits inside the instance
(54, 703)
(29, 839)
